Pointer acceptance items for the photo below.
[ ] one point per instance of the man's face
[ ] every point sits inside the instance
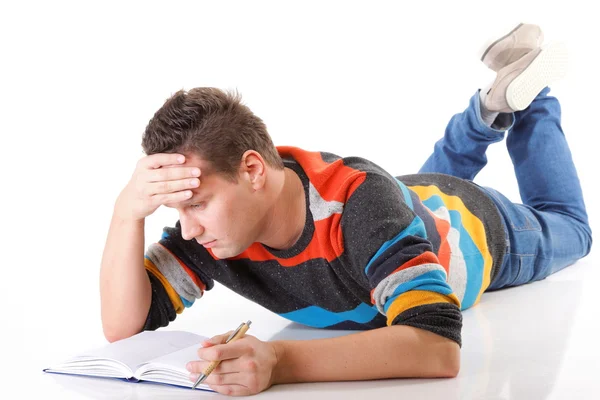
(221, 215)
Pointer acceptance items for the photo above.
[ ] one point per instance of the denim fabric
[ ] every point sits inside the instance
(550, 230)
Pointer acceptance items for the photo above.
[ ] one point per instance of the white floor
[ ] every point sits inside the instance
(532, 342)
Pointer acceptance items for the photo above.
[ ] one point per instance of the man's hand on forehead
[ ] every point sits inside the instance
(159, 179)
(181, 171)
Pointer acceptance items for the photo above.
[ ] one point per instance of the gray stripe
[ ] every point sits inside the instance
(457, 278)
(387, 286)
(168, 265)
(320, 208)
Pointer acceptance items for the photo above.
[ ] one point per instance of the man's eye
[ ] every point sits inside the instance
(199, 205)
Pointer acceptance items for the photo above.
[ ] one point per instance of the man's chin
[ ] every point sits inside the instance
(226, 252)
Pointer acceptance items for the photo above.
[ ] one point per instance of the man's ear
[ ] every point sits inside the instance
(253, 169)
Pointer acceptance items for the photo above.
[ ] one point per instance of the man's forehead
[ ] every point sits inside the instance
(193, 160)
(197, 195)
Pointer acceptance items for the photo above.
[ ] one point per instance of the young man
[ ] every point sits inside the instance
(339, 243)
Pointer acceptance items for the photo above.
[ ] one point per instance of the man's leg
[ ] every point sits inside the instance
(550, 230)
(543, 164)
(461, 152)
(515, 57)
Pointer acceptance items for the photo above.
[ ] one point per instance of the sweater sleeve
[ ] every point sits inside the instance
(386, 247)
(174, 266)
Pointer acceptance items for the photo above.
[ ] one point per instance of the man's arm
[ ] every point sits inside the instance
(123, 280)
(396, 351)
(135, 290)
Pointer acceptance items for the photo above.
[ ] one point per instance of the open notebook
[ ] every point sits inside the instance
(152, 356)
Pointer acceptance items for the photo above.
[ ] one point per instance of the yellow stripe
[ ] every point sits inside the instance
(175, 299)
(415, 298)
(470, 222)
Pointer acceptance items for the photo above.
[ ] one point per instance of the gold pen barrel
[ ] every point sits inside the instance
(211, 368)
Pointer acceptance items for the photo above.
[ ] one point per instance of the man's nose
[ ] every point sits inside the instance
(190, 229)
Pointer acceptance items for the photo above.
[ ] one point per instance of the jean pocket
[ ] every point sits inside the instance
(522, 218)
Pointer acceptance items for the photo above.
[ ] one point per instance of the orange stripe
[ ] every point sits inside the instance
(327, 178)
(173, 295)
(426, 258)
(443, 227)
(315, 249)
(415, 298)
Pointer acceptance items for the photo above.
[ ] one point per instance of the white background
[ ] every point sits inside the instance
(80, 80)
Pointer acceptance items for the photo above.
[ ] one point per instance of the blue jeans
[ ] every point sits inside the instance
(550, 230)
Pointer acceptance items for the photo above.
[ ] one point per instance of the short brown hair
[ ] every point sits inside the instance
(213, 124)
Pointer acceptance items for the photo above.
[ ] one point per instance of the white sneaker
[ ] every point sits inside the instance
(512, 46)
(518, 83)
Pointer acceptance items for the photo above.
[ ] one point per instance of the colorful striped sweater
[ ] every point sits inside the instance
(376, 250)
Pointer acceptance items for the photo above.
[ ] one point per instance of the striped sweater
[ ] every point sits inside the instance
(376, 250)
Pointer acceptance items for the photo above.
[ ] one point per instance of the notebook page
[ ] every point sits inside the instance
(170, 368)
(145, 346)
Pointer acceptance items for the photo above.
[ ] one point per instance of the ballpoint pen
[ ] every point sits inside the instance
(235, 335)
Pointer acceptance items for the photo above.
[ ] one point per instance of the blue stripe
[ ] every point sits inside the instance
(406, 194)
(165, 235)
(416, 228)
(434, 202)
(428, 220)
(433, 281)
(473, 259)
(186, 303)
(446, 290)
(471, 254)
(321, 318)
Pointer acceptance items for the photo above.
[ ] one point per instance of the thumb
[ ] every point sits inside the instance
(219, 339)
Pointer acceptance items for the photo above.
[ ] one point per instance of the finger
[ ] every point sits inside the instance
(161, 159)
(218, 339)
(234, 378)
(172, 186)
(222, 352)
(171, 198)
(172, 173)
(225, 367)
(231, 390)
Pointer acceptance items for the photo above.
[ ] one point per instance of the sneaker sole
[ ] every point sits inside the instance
(549, 66)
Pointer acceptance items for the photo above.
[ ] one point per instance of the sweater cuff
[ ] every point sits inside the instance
(444, 319)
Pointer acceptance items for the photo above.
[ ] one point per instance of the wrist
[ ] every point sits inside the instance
(279, 370)
(124, 215)
(123, 212)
